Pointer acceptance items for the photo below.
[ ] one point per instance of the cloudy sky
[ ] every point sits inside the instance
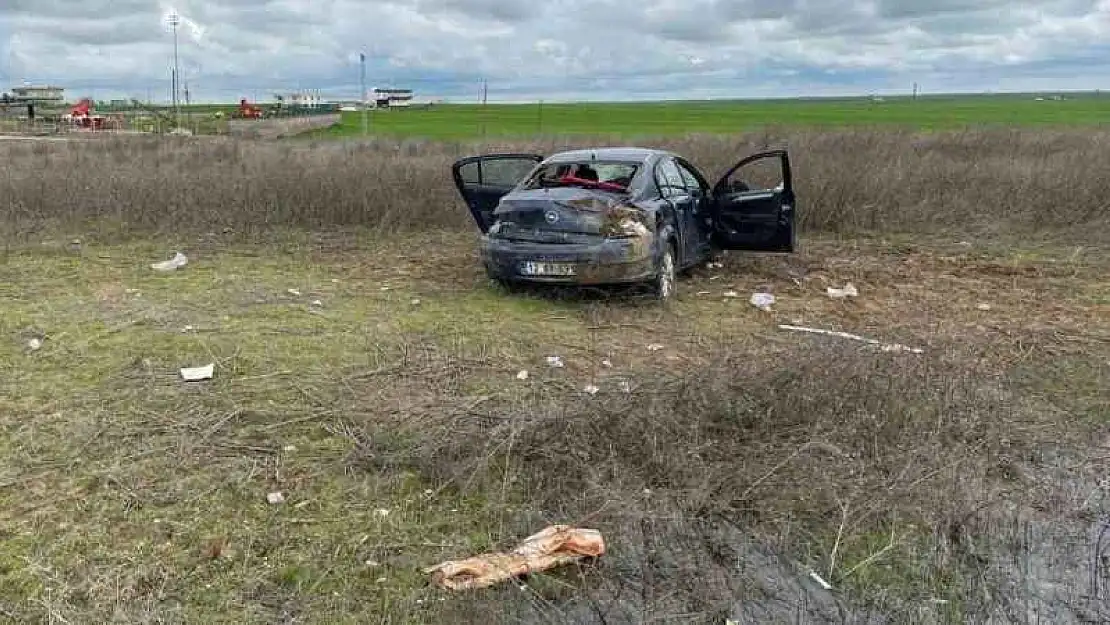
(595, 49)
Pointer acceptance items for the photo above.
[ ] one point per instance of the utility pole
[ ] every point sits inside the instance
(362, 86)
(175, 20)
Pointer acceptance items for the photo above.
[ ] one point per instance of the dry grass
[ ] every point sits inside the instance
(965, 484)
(1019, 181)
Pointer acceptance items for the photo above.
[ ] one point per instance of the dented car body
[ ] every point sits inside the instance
(618, 215)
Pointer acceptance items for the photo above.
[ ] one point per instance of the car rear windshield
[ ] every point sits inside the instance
(606, 175)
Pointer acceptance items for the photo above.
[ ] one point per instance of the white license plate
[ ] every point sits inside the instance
(532, 268)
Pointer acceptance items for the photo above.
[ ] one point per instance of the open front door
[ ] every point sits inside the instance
(753, 205)
(483, 180)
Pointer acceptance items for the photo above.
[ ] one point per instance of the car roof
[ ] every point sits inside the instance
(634, 154)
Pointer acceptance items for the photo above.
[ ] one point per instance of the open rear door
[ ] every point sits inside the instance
(753, 205)
(483, 180)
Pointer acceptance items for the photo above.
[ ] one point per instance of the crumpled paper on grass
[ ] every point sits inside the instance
(554, 546)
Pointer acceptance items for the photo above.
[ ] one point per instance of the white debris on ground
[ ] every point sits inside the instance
(886, 347)
(591, 389)
(984, 307)
(35, 344)
(195, 374)
(820, 580)
(849, 290)
(555, 361)
(178, 261)
(415, 301)
(522, 375)
(731, 294)
(763, 301)
(317, 303)
(654, 347)
(608, 364)
(275, 498)
(714, 265)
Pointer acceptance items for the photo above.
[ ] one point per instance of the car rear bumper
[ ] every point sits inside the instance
(609, 261)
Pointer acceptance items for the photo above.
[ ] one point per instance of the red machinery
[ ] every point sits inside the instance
(82, 116)
(248, 110)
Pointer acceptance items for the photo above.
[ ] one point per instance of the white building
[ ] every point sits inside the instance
(388, 97)
(40, 94)
(302, 99)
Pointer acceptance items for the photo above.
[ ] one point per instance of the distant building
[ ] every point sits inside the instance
(38, 95)
(301, 99)
(387, 97)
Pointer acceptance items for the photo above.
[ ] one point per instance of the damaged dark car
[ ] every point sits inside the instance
(612, 216)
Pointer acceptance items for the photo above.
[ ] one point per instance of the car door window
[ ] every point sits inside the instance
(690, 179)
(670, 179)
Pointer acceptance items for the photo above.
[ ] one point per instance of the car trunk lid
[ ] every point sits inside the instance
(559, 214)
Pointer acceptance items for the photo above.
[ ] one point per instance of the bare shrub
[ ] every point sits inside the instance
(1021, 180)
(720, 490)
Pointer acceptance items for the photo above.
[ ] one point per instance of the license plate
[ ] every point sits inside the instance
(532, 268)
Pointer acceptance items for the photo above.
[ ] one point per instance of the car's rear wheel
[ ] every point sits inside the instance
(664, 284)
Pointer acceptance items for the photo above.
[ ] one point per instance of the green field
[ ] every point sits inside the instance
(661, 118)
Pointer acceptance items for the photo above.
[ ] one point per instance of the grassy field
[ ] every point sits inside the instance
(366, 370)
(460, 121)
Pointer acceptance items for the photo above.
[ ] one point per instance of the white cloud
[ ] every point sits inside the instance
(726, 47)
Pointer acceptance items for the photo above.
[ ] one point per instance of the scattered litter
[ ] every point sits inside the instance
(886, 347)
(984, 307)
(293, 292)
(415, 302)
(380, 580)
(731, 294)
(382, 512)
(705, 292)
(372, 564)
(714, 277)
(555, 361)
(654, 347)
(178, 261)
(817, 578)
(187, 329)
(607, 363)
(335, 280)
(34, 344)
(763, 301)
(591, 389)
(289, 448)
(317, 303)
(625, 386)
(195, 374)
(302, 504)
(385, 288)
(849, 290)
(714, 265)
(522, 375)
(275, 498)
(554, 546)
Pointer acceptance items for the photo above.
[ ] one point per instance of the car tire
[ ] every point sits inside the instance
(666, 278)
